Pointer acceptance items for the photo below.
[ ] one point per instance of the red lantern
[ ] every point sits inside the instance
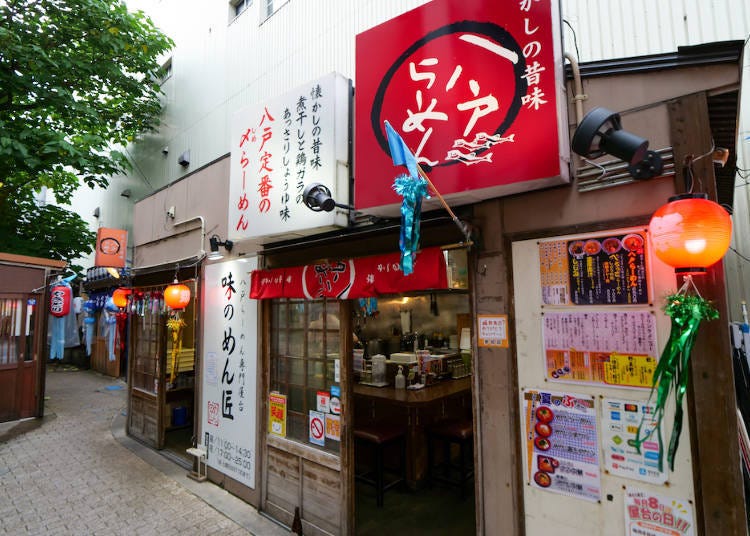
(120, 297)
(690, 233)
(177, 295)
(60, 299)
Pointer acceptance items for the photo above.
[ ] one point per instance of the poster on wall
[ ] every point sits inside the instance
(650, 514)
(562, 451)
(613, 348)
(228, 374)
(620, 420)
(492, 331)
(595, 270)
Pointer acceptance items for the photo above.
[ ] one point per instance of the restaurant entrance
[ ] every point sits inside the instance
(413, 418)
(368, 401)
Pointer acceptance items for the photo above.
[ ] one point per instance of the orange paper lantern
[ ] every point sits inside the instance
(177, 295)
(120, 297)
(690, 233)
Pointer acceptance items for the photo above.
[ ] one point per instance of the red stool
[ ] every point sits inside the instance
(378, 438)
(450, 433)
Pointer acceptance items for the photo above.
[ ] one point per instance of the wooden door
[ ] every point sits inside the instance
(20, 369)
(146, 378)
(304, 477)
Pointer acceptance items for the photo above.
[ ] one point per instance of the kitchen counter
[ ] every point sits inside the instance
(415, 397)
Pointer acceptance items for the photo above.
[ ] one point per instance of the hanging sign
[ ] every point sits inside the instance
(111, 247)
(620, 421)
(562, 452)
(471, 87)
(229, 374)
(352, 278)
(279, 147)
(594, 270)
(650, 514)
(601, 347)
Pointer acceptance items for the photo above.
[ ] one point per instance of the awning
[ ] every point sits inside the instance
(363, 277)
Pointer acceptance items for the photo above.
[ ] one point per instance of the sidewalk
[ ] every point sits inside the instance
(76, 472)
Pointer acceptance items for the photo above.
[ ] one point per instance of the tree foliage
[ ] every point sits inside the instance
(78, 78)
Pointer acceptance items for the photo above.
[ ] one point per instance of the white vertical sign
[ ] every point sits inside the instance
(229, 370)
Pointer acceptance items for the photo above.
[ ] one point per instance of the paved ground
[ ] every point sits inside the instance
(75, 472)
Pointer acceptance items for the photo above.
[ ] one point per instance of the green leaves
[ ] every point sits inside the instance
(71, 87)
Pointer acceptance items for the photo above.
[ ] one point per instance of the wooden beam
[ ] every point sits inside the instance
(717, 470)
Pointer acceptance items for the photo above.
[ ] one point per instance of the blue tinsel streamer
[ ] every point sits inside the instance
(413, 190)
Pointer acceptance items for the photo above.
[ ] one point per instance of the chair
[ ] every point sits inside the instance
(448, 433)
(378, 438)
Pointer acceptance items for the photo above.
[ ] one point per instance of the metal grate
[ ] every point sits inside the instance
(615, 172)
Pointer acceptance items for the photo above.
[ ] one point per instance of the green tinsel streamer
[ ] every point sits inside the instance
(687, 312)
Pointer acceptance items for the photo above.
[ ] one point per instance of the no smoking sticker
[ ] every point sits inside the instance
(317, 428)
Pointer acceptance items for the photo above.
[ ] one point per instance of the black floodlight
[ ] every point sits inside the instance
(601, 133)
(215, 242)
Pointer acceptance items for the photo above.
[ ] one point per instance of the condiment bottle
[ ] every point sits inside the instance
(400, 378)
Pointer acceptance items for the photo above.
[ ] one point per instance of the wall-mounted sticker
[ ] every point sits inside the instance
(333, 427)
(562, 452)
(492, 330)
(323, 398)
(620, 420)
(277, 414)
(317, 428)
(649, 514)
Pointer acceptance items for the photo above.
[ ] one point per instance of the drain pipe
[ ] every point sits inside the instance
(579, 96)
(203, 231)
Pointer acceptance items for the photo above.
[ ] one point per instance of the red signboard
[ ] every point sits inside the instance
(472, 88)
(351, 278)
(111, 247)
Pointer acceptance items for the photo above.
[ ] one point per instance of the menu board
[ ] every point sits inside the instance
(620, 422)
(594, 270)
(615, 348)
(562, 451)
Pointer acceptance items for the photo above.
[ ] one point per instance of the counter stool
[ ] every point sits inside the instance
(378, 437)
(450, 433)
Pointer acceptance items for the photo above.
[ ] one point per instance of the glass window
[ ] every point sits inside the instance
(270, 7)
(304, 346)
(11, 329)
(156, 333)
(240, 6)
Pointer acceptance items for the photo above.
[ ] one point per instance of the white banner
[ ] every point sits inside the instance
(229, 369)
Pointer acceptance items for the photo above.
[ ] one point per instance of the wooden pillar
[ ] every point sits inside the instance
(498, 463)
(717, 473)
